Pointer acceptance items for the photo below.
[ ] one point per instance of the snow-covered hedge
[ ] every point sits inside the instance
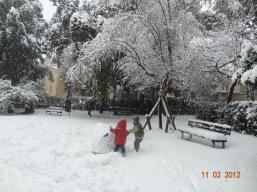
(55, 101)
(209, 111)
(24, 96)
(77, 102)
(82, 103)
(242, 116)
(204, 110)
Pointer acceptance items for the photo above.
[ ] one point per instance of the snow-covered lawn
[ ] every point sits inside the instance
(40, 153)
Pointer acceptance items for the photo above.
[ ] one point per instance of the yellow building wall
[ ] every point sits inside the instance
(240, 92)
(240, 89)
(56, 86)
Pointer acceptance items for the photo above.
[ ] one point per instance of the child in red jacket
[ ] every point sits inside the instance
(120, 136)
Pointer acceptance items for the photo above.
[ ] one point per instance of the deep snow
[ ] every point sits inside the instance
(53, 154)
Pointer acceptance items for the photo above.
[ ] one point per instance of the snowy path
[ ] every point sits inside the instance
(53, 154)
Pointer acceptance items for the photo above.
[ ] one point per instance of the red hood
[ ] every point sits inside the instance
(122, 124)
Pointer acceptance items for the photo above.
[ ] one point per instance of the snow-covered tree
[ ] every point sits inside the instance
(177, 45)
(58, 34)
(71, 30)
(109, 8)
(247, 72)
(153, 39)
(227, 24)
(21, 39)
(66, 33)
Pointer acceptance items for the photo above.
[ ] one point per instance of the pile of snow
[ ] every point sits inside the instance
(103, 145)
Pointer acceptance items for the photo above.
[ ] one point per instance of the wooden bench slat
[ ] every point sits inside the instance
(121, 110)
(212, 140)
(201, 136)
(219, 128)
(57, 110)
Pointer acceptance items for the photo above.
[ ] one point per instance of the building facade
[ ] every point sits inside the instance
(54, 86)
(240, 93)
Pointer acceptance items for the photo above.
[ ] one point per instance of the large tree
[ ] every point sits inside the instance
(181, 45)
(226, 26)
(246, 74)
(154, 39)
(71, 30)
(21, 40)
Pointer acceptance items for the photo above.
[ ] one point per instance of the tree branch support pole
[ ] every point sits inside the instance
(173, 122)
(148, 122)
(168, 122)
(161, 104)
(160, 114)
(148, 117)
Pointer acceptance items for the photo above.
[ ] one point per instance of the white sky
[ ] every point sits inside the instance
(49, 9)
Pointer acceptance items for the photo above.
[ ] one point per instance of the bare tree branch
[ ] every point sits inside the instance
(132, 50)
(192, 5)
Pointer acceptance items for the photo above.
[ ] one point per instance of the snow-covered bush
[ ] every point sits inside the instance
(77, 102)
(55, 101)
(178, 105)
(37, 90)
(82, 103)
(203, 110)
(23, 96)
(6, 91)
(242, 116)
(208, 111)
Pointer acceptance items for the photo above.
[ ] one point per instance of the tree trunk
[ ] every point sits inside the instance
(68, 98)
(114, 95)
(231, 91)
(101, 108)
(141, 104)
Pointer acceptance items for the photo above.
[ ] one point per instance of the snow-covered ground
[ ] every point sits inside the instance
(53, 154)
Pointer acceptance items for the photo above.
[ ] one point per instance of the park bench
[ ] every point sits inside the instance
(216, 133)
(55, 110)
(120, 110)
